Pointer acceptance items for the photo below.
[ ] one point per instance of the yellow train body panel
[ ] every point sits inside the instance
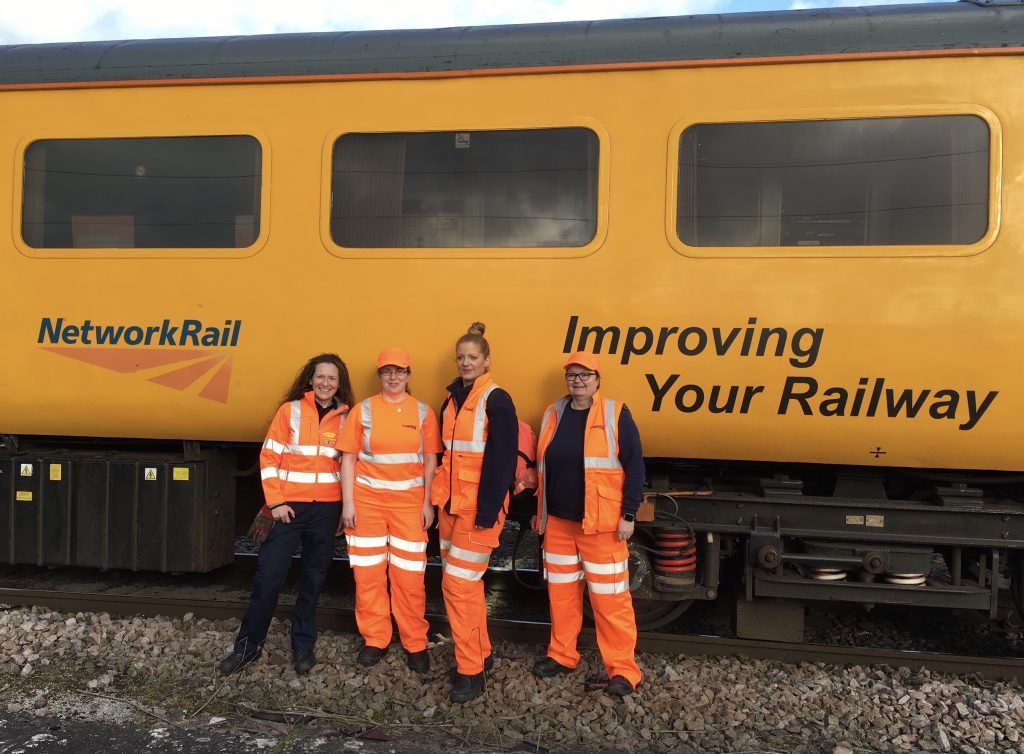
(940, 319)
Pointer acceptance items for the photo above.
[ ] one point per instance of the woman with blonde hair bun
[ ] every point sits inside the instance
(480, 433)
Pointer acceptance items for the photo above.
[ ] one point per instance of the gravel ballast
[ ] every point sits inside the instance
(160, 671)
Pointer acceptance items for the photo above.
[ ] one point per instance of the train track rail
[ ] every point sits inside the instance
(533, 632)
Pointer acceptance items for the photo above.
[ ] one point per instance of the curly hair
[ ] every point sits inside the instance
(304, 379)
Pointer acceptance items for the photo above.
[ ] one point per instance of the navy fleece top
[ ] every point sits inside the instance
(563, 464)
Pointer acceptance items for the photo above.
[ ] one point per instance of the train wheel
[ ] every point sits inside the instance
(650, 614)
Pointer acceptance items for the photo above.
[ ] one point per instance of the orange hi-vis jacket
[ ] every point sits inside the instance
(464, 433)
(390, 439)
(299, 462)
(603, 475)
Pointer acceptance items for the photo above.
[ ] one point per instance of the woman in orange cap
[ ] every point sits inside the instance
(471, 490)
(389, 449)
(590, 479)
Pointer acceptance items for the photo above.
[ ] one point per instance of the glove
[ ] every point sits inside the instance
(260, 528)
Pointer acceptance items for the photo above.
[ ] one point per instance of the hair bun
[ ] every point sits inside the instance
(477, 328)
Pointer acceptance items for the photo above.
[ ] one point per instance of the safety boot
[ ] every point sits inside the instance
(466, 688)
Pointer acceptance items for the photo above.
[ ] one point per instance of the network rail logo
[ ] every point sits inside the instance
(173, 353)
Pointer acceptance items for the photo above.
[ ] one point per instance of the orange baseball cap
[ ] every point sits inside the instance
(584, 359)
(395, 357)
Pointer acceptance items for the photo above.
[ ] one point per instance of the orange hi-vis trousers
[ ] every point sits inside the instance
(389, 543)
(602, 561)
(465, 551)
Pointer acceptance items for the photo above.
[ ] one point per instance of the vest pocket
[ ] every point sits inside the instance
(609, 506)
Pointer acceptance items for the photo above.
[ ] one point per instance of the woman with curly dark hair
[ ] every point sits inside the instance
(301, 472)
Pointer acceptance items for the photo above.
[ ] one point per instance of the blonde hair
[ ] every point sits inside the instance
(475, 334)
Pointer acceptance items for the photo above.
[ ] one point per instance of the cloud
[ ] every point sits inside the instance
(81, 20)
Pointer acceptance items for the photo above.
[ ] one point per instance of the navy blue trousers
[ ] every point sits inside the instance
(313, 527)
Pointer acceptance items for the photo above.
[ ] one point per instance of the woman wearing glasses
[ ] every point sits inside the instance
(590, 478)
(480, 434)
(389, 448)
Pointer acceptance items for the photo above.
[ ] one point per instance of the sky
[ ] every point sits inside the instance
(82, 20)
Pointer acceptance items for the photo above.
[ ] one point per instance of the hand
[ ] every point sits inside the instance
(625, 529)
(427, 515)
(282, 513)
(348, 515)
(533, 523)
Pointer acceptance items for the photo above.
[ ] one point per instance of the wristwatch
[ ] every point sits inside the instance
(628, 517)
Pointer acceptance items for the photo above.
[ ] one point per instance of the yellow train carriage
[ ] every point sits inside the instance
(793, 248)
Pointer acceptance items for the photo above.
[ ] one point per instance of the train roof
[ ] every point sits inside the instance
(784, 34)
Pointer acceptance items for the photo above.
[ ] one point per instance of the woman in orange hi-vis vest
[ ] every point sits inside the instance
(300, 468)
(480, 434)
(590, 473)
(390, 448)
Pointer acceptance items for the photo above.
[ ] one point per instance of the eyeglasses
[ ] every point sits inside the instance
(579, 376)
(392, 372)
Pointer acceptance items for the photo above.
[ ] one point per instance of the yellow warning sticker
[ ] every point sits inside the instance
(150, 474)
(55, 472)
(26, 469)
(24, 496)
(180, 474)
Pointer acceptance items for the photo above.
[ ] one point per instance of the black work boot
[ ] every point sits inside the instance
(548, 668)
(619, 686)
(304, 662)
(237, 660)
(466, 688)
(370, 655)
(418, 662)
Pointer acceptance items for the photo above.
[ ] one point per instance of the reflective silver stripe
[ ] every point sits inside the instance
(477, 444)
(445, 543)
(421, 409)
(268, 472)
(353, 541)
(364, 416)
(468, 555)
(308, 477)
(295, 422)
(565, 578)
(555, 558)
(274, 445)
(611, 431)
(462, 573)
(405, 544)
(386, 458)
(607, 568)
(616, 587)
(407, 565)
(312, 450)
(367, 560)
(384, 484)
(556, 409)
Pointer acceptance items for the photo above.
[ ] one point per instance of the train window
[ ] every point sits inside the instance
(176, 192)
(866, 182)
(459, 189)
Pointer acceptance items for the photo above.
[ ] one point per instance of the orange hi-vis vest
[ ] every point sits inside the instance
(398, 473)
(299, 462)
(464, 433)
(603, 475)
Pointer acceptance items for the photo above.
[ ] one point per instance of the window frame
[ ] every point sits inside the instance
(468, 252)
(836, 252)
(167, 252)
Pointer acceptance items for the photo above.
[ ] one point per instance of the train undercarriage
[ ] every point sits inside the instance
(774, 538)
